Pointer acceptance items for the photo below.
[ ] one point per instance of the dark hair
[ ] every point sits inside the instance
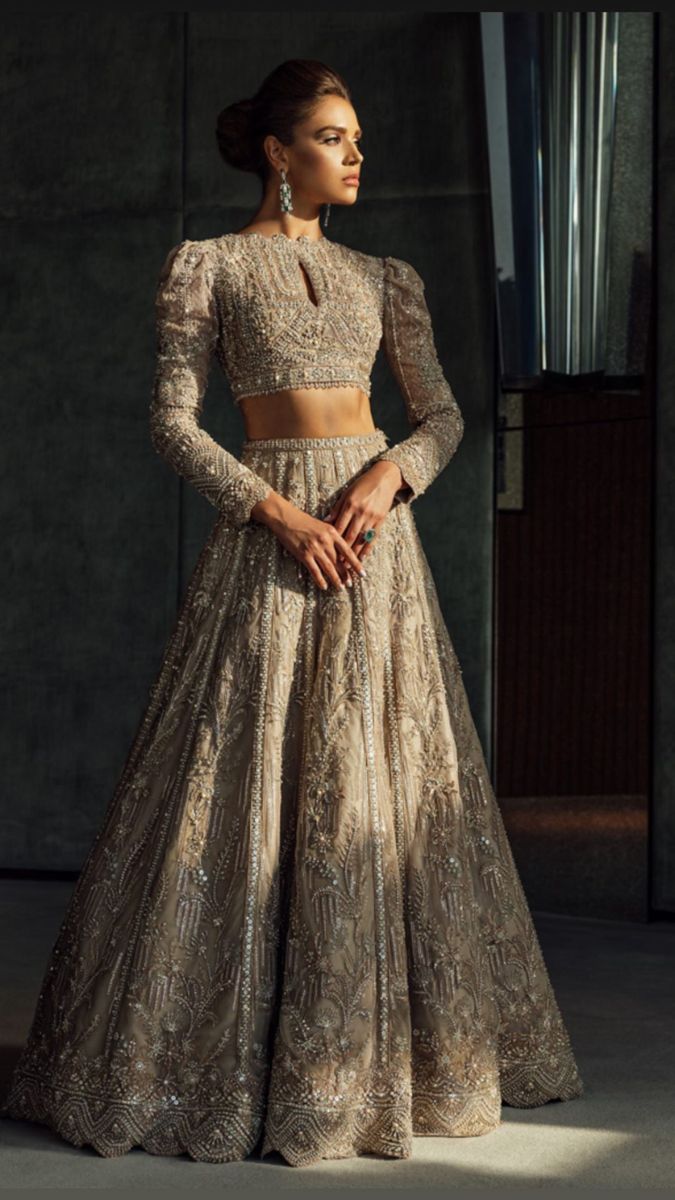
(285, 97)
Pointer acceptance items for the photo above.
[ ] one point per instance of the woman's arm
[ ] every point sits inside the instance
(187, 331)
(432, 410)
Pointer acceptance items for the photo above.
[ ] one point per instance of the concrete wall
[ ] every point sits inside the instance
(109, 159)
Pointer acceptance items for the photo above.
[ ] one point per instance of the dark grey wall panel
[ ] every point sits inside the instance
(91, 196)
(92, 114)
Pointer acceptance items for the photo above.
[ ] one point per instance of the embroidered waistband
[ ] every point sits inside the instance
(303, 443)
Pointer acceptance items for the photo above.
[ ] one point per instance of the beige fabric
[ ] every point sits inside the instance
(300, 927)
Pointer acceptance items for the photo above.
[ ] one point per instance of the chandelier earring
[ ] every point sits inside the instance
(326, 216)
(285, 194)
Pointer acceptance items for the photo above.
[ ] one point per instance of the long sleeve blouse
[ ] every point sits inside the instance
(240, 298)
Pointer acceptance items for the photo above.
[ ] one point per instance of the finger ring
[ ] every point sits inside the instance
(367, 535)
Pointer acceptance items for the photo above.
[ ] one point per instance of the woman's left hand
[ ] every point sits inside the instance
(363, 505)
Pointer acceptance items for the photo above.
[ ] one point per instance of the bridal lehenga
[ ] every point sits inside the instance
(300, 927)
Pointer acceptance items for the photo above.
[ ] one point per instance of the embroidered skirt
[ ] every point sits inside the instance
(300, 927)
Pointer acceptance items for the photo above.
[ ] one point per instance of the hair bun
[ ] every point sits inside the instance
(234, 134)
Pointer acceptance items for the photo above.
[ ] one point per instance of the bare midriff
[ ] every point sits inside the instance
(307, 412)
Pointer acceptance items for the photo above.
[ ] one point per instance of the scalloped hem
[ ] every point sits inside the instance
(301, 1136)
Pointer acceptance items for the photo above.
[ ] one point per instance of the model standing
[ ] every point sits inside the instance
(300, 927)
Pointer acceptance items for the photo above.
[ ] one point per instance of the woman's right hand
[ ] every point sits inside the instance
(312, 541)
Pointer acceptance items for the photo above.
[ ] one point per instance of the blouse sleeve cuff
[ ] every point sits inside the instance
(413, 484)
(240, 496)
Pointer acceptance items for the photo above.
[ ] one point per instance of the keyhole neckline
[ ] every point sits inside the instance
(300, 243)
(316, 302)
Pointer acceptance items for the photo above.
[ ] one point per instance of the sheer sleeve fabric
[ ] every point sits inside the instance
(432, 409)
(186, 336)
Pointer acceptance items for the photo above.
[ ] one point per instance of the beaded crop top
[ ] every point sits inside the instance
(241, 298)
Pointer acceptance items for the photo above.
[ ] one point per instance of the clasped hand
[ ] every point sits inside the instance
(331, 547)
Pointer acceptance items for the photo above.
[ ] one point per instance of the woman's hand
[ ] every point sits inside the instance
(314, 542)
(363, 505)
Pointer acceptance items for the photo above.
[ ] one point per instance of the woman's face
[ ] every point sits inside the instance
(325, 153)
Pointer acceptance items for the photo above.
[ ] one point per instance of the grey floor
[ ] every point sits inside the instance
(615, 983)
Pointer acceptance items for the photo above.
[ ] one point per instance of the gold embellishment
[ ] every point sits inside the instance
(394, 750)
(376, 826)
(251, 919)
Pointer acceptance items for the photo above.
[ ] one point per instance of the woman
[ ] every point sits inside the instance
(300, 924)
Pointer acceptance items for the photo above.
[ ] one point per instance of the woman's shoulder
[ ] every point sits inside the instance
(392, 268)
(399, 273)
(186, 254)
(206, 262)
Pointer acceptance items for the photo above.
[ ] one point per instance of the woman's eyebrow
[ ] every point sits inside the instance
(341, 128)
